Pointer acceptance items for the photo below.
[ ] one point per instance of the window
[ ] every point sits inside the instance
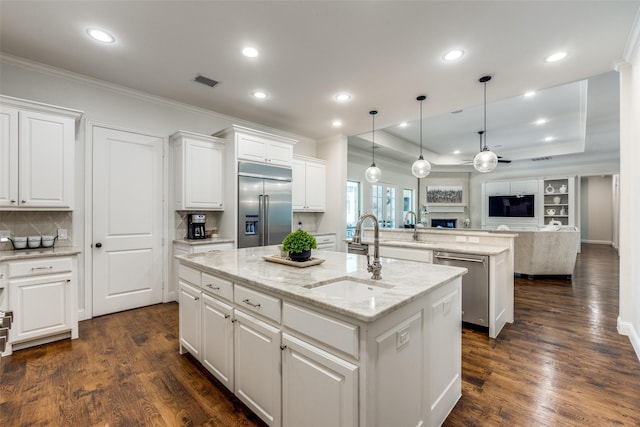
(353, 206)
(407, 204)
(383, 204)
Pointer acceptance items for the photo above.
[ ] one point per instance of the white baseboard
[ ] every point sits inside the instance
(598, 242)
(626, 328)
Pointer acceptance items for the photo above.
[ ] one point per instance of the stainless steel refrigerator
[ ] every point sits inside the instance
(264, 204)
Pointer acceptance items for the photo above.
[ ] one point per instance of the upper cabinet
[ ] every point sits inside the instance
(261, 147)
(198, 162)
(37, 145)
(511, 188)
(309, 185)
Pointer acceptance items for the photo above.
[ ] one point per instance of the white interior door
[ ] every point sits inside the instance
(127, 220)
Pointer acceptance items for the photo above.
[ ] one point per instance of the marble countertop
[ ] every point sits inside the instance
(464, 248)
(209, 241)
(18, 254)
(405, 280)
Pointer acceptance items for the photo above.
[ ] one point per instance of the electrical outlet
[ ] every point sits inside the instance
(62, 233)
(5, 233)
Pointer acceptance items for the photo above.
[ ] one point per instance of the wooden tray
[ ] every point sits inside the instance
(287, 261)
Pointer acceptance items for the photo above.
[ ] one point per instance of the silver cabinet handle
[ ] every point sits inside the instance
(226, 316)
(248, 302)
(50, 267)
(196, 298)
(215, 288)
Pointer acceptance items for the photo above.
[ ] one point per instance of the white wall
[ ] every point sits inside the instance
(120, 107)
(629, 318)
(596, 199)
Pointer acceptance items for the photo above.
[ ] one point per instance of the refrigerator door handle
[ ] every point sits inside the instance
(261, 227)
(266, 219)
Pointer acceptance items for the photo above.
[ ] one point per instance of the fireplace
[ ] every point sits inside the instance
(443, 223)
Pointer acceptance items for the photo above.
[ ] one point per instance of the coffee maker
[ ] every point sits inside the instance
(195, 226)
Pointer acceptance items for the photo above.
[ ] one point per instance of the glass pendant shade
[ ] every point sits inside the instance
(421, 168)
(373, 173)
(485, 161)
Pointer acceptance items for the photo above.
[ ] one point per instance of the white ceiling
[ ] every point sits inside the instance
(383, 53)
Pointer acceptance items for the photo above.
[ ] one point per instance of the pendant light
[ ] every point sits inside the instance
(373, 173)
(486, 160)
(421, 168)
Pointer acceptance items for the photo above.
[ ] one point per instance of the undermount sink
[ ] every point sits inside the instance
(349, 289)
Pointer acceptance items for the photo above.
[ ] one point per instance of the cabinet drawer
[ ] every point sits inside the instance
(39, 266)
(196, 249)
(257, 302)
(332, 332)
(190, 275)
(217, 286)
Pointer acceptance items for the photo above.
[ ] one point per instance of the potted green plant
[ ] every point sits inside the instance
(299, 244)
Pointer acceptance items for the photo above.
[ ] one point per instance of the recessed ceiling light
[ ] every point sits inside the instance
(403, 125)
(456, 152)
(259, 94)
(540, 121)
(342, 97)
(556, 57)
(453, 55)
(548, 139)
(336, 123)
(100, 35)
(530, 94)
(251, 52)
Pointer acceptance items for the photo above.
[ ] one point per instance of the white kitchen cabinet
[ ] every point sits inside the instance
(37, 147)
(326, 242)
(43, 299)
(511, 188)
(217, 339)
(258, 146)
(257, 366)
(308, 185)
(318, 388)
(198, 162)
(190, 319)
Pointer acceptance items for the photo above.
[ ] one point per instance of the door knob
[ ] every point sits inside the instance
(98, 245)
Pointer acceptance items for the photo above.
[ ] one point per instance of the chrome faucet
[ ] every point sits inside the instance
(415, 223)
(372, 267)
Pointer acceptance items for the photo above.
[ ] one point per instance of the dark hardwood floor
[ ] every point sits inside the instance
(561, 363)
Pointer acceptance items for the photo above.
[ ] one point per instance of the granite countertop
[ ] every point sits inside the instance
(405, 280)
(209, 241)
(38, 253)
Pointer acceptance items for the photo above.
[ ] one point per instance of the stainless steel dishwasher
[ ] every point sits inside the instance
(475, 284)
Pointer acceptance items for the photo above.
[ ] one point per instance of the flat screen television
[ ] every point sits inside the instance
(512, 206)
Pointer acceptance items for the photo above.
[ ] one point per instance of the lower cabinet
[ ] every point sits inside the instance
(190, 319)
(257, 367)
(217, 339)
(318, 388)
(295, 365)
(42, 296)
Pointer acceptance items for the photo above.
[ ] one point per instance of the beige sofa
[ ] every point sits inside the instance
(550, 251)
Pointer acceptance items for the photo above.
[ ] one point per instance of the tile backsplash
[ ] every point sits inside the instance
(27, 223)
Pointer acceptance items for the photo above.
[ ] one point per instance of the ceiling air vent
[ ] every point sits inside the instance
(206, 80)
(536, 159)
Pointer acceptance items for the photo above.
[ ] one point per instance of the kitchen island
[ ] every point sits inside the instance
(325, 344)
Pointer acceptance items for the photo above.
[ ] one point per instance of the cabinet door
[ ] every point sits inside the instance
(41, 305)
(318, 388)
(497, 188)
(8, 157)
(46, 160)
(252, 148)
(203, 175)
(529, 186)
(279, 153)
(190, 318)
(217, 339)
(315, 190)
(298, 185)
(257, 367)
